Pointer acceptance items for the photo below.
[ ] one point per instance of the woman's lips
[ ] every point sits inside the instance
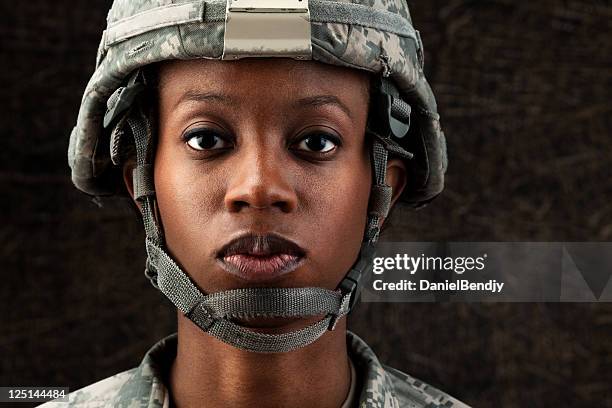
(260, 268)
(259, 258)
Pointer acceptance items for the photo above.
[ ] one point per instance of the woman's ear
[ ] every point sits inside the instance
(397, 177)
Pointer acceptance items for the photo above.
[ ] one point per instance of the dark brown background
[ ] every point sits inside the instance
(524, 90)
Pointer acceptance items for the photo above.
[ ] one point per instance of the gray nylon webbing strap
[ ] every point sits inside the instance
(401, 110)
(389, 88)
(392, 147)
(380, 162)
(379, 158)
(277, 302)
(210, 312)
(171, 280)
(117, 142)
(380, 200)
(382, 145)
(214, 12)
(398, 150)
(249, 340)
(140, 130)
(143, 181)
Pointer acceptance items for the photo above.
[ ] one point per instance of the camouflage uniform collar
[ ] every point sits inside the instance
(147, 382)
(377, 387)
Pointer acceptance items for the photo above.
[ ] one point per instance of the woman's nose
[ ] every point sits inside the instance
(258, 182)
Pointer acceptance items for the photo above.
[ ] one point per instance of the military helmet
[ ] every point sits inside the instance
(372, 35)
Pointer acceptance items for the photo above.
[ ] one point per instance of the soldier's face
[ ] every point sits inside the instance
(270, 157)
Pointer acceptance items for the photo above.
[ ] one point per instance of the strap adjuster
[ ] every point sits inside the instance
(350, 283)
(121, 101)
(202, 316)
(391, 114)
(350, 286)
(345, 306)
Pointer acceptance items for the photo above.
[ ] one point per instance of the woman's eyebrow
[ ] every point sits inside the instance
(322, 100)
(197, 96)
(311, 101)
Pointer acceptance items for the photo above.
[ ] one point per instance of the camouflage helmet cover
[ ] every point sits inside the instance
(372, 35)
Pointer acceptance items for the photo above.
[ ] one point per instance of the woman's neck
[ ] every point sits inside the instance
(209, 373)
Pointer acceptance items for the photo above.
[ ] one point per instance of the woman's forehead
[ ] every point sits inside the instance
(266, 77)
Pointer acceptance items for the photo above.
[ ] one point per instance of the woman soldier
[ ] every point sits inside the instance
(264, 143)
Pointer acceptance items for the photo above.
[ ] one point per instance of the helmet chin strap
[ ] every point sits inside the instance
(215, 313)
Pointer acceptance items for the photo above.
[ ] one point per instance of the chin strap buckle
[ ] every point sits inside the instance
(345, 306)
(349, 286)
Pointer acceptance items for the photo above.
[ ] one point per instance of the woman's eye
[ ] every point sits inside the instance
(317, 143)
(206, 140)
